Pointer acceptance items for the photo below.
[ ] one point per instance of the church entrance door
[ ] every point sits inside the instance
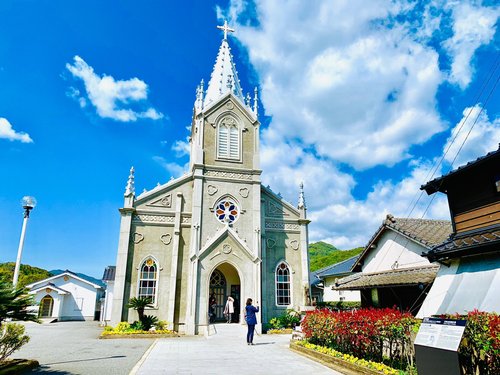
(46, 305)
(224, 282)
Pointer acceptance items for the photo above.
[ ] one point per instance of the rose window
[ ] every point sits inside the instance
(227, 211)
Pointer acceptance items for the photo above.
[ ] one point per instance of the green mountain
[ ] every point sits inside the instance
(27, 274)
(322, 254)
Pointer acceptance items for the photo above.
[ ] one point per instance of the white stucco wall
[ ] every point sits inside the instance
(466, 285)
(391, 248)
(330, 295)
(57, 298)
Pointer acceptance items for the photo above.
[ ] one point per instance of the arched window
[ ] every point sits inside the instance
(148, 280)
(46, 305)
(228, 139)
(283, 284)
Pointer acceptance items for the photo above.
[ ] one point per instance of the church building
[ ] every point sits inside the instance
(215, 231)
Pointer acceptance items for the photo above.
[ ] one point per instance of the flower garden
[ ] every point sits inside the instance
(381, 340)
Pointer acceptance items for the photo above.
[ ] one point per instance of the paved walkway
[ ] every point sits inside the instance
(226, 352)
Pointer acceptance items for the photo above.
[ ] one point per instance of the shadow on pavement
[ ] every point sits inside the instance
(264, 343)
(86, 360)
(47, 371)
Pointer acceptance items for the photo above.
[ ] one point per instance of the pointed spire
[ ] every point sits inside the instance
(247, 100)
(302, 199)
(199, 96)
(224, 76)
(130, 189)
(255, 101)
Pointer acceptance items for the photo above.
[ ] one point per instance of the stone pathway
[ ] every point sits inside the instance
(226, 352)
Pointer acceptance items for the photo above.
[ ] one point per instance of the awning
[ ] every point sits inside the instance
(385, 279)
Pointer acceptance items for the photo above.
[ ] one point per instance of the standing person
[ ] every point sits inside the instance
(251, 319)
(211, 308)
(229, 309)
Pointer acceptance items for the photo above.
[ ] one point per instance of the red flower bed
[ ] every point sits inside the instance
(480, 347)
(374, 334)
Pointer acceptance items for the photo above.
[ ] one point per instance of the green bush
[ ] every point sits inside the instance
(137, 326)
(289, 319)
(161, 325)
(122, 327)
(12, 337)
(149, 321)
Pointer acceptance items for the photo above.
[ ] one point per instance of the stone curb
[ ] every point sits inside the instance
(17, 366)
(334, 363)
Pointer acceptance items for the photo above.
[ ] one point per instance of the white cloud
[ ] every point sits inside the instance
(110, 97)
(473, 26)
(181, 148)
(354, 84)
(7, 132)
(175, 170)
(477, 136)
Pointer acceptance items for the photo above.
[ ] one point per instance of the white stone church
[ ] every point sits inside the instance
(216, 230)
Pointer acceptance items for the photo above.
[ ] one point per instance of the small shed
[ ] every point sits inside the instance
(67, 296)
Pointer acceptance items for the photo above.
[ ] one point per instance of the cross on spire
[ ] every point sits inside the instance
(225, 28)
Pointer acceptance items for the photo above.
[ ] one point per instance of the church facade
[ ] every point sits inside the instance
(215, 231)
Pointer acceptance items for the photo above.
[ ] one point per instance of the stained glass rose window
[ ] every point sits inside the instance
(227, 211)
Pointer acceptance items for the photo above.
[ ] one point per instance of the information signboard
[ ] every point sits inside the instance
(441, 333)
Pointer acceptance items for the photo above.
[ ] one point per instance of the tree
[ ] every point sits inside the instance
(15, 303)
(139, 304)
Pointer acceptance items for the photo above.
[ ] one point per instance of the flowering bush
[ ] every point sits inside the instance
(480, 347)
(289, 319)
(125, 328)
(381, 335)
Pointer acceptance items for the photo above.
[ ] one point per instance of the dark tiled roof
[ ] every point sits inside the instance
(459, 244)
(398, 277)
(109, 273)
(427, 233)
(436, 184)
(337, 268)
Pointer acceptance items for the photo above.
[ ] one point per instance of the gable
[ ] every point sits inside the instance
(276, 207)
(162, 197)
(64, 279)
(227, 242)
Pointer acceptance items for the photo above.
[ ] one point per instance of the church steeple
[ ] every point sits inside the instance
(224, 77)
(130, 189)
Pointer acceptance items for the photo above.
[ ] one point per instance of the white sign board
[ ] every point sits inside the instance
(440, 333)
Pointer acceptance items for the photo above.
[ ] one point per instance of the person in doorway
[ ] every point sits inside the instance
(251, 319)
(212, 303)
(229, 309)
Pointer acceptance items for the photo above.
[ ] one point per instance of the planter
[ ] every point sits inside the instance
(138, 336)
(337, 364)
(17, 366)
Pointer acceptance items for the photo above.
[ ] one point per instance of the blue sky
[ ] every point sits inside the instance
(357, 104)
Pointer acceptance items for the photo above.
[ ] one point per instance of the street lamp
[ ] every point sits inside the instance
(28, 204)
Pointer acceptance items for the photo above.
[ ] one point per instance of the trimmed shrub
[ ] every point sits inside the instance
(339, 305)
(479, 350)
(381, 335)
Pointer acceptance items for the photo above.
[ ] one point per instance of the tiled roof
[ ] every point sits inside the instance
(436, 184)
(337, 268)
(109, 273)
(427, 233)
(398, 277)
(456, 245)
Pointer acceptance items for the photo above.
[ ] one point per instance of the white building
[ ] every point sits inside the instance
(67, 296)
(391, 270)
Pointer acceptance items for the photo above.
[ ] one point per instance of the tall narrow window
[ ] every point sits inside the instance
(228, 139)
(283, 295)
(148, 279)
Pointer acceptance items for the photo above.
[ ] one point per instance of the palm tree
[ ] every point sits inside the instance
(139, 304)
(14, 304)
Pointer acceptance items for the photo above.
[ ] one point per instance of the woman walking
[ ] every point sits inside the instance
(251, 319)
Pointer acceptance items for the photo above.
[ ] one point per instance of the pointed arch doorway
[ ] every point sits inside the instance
(225, 282)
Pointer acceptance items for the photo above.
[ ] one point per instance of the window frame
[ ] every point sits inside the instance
(289, 282)
(140, 279)
(229, 122)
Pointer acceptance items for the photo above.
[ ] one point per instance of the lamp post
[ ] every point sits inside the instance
(28, 204)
